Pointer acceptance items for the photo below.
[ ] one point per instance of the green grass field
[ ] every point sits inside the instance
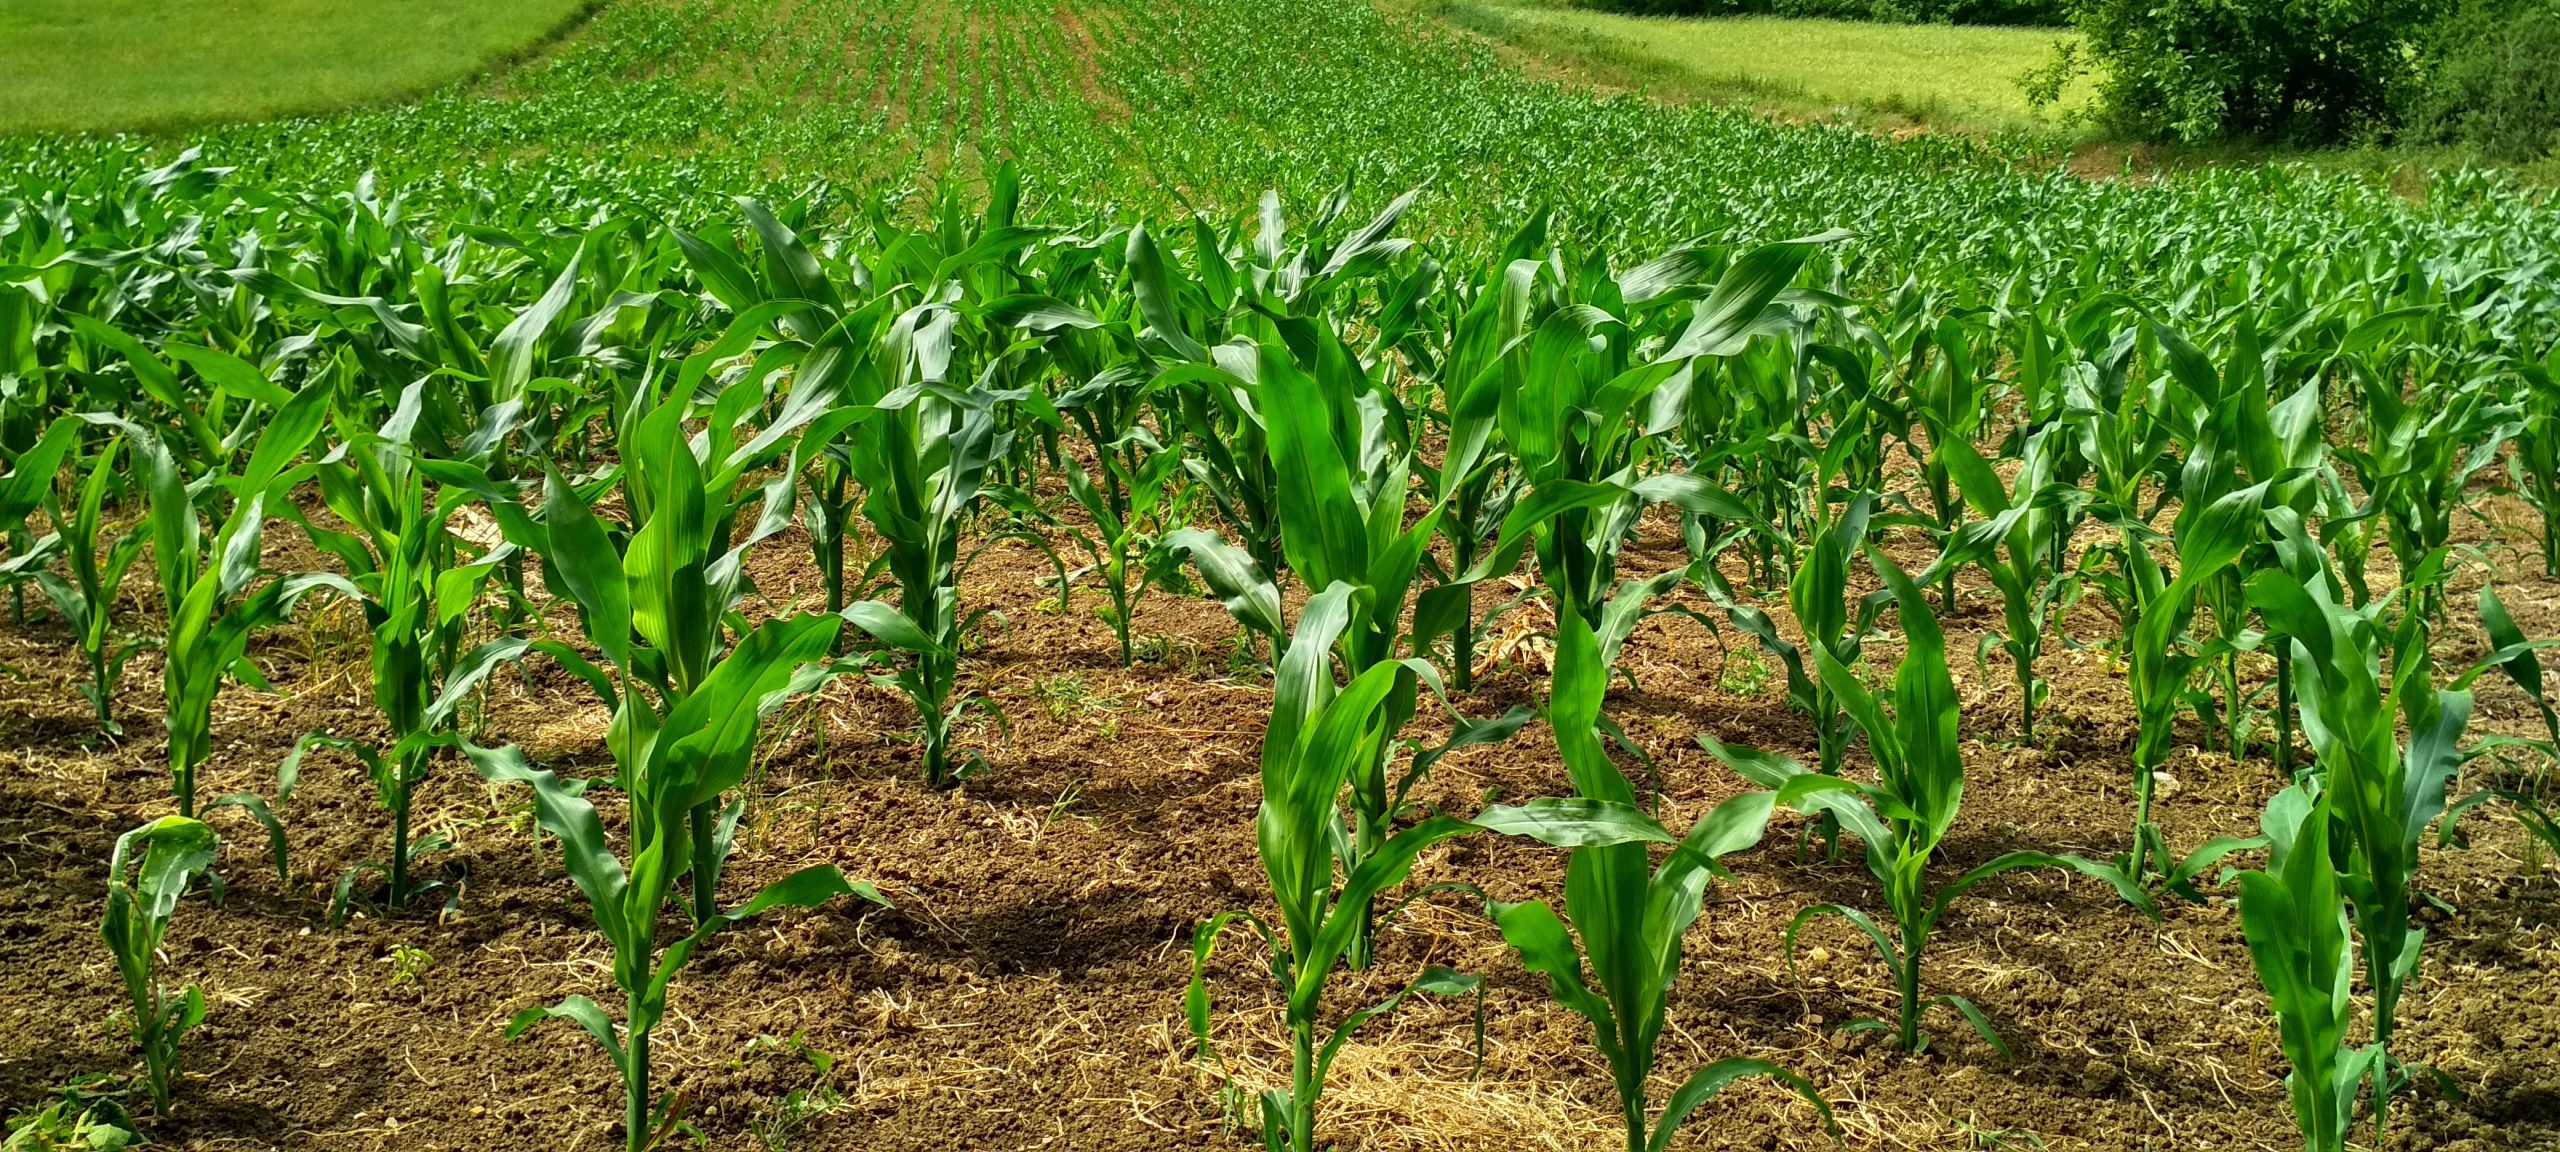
(1945, 75)
(141, 64)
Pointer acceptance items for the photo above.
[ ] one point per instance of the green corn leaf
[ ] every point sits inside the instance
(1574, 822)
(590, 571)
(1703, 1084)
(1532, 930)
(568, 816)
(578, 1010)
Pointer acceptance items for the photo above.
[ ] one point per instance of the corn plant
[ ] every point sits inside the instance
(2238, 436)
(918, 445)
(2015, 542)
(2383, 795)
(1628, 916)
(1573, 409)
(2122, 435)
(1474, 480)
(1226, 452)
(416, 582)
(1818, 595)
(1902, 819)
(2514, 656)
(672, 768)
(2419, 455)
(2295, 921)
(2161, 658)
(98, 559)
(2536, 463)
(1948, 402)
(1319, 736)
(923, 472)
(150, 872)
(1343, 521)
(33, 474)
(1128, 514)
(211, 593)
(660, 605)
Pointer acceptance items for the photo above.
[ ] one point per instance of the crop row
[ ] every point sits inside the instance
(1323, 413)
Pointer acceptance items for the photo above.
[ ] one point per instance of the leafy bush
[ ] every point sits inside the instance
(2034, 12)
(2303, 71)
(2491, 79)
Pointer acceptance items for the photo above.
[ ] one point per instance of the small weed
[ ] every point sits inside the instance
(409, 965)
(1244, 658)
(1983, 1139)
(1066, 800)
(775, 1124)
(1168, 651)
(1745, 674)
(85, 1117)
(1067, 698)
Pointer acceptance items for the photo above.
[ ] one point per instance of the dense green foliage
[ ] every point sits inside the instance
(2203, 70)
(1011, 271)
(2492, 81)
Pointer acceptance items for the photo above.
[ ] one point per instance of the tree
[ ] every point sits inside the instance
(2298, 71)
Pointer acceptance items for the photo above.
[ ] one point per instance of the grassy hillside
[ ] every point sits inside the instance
(1945, 75)
(125, 64)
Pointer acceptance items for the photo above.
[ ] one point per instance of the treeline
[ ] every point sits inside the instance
(2476, 73)
(2479, 74)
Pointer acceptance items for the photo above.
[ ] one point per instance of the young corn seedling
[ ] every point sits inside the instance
(1226, 452)
(917, 445)
(1474, 479)
(1902, 818)
(661, 606)
(2237, 436)
(2015, 542)
(2514, 656)
(1948, 402)
(1583, 468)
(98, 560)
(1319, 736)
(151, 869)
(2295, 921)
(2536, 464)
(213, 597)
(29, 486)
(923, 468)
(416, 582)
(2122, 436)
(2161, 661)
(671, 768)
(2419, 456)
(1818, 595)
(1344, 522)
(1126, 540)
(2383, 795)
(1628, 917)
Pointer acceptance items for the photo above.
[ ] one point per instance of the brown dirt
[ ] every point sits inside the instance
(1027, 991)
